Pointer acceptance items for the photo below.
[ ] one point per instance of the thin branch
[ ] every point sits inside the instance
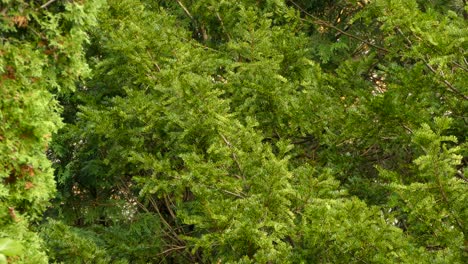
(447, 83)
(123, 188)
(202, 26)
(171, 230)
(172, 249)
(169, 208)
(446, 200)
(460, 175)
(48, 3)
(233, 194)
(460, 66)
(234, 157)
(222, 26)
(324, 23)
(154, 61)
(185, 9)
(321, 22)
(407, 128)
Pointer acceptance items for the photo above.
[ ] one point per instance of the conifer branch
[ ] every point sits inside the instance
(234, 157)
(321, 22)
(187, 12)
(446, 200)
(407, 128)
(168, 206)
(445, 81)
(324, 23)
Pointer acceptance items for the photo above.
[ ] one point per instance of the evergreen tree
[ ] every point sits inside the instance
(266, 132)
(41, 53)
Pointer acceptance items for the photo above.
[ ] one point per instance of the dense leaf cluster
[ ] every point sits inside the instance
(41, 53)
(234, 131)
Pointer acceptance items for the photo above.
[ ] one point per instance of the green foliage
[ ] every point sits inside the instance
(71, 245)
(138, 240)
(432, 208)
(40, 52)
(239, 132)
(347, 231)
(9, 248)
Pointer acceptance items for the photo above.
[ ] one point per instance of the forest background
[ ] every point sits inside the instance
(247, 131)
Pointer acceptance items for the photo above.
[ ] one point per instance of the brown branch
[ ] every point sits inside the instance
(11, 212)
(4, 11)
(324, 23)
(460, 66)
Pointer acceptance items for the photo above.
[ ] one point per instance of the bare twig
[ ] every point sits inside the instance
(234, 194)
(460, 66)
(169, 207)
(407, 128)
(226, 141)
(185, 9)
(172, 249)
(170, 228)
(460, 175)
(234, 157)
(154, 61)
(187, 12)
(123, 188)
(4, 11)
(446, 200)
(48, 3)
